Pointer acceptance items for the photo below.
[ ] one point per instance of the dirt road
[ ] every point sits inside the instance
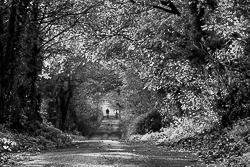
(111, 153)
(105, 149)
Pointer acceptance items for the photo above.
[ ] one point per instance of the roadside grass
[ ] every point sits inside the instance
(215, 146)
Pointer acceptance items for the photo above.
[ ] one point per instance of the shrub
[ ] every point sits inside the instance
(241, 128)
(153, 137)
(45, 137)
(7, 142)
(185, 128)
(135, 138)
(7, 145)
(148, 122)
(235, 105)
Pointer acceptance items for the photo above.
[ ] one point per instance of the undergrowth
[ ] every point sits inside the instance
(147, 122)
(213, 145)
(46, 137)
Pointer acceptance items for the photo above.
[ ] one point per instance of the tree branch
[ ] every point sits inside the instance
(173, 9)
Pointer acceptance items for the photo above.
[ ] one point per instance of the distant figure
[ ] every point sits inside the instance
(116, 114)
(107, 113)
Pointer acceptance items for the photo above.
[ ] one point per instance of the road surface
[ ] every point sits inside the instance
(105, 149)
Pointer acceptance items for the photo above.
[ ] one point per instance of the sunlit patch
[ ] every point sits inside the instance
(115, 149)
(36, 163)
(115, 165)
(102, 141)
(111, 141)
(124, 155)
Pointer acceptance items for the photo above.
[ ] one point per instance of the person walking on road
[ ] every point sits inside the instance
(116, 114)
(107, 113)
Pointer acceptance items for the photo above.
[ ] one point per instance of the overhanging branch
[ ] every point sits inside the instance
(171, 8)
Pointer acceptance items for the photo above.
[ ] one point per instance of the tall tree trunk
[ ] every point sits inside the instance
(23, 20)
(8, 62)
(65, 97)
(197, 12)
(34, 64)
(1, 62)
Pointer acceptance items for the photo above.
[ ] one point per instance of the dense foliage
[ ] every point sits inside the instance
(45, 64)
(185, 61)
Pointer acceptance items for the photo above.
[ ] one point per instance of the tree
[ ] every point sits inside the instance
(230, 55)
(30, 29)
(179, 57)
(17, 98)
